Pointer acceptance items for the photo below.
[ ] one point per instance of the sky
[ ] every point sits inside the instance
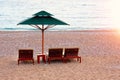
(115, 12)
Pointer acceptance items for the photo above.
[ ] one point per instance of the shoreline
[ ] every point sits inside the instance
(91, 30)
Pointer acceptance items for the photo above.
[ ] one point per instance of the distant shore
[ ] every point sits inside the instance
(82, 30)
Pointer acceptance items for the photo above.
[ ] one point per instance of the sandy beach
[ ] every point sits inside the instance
(100, 52)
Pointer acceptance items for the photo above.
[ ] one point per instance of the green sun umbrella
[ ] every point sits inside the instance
(42, 18)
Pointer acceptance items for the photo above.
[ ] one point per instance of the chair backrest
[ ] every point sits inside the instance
(25, 53)
(55, 52)
(71, 52)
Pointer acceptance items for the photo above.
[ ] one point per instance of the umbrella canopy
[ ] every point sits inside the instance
(42, 18)
(43, 13)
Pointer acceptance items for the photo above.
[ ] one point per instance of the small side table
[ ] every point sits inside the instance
(41, 56)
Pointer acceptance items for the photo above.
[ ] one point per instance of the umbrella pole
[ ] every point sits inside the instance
(42, 39)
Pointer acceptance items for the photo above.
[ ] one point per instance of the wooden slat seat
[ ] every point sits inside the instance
(55, 54)
(25, 55)
(71, 53)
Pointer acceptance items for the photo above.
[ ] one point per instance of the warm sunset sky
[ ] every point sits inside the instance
(115, 12)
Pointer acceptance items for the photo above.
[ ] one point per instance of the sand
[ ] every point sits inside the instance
(100, 52)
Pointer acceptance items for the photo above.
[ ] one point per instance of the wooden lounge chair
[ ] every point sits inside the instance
(25, 55)
(71, 53)
(55, 54)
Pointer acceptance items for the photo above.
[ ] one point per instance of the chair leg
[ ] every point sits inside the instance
(18, 62)
(80, 59)
(49, 60)
(33, 62)
(65, 60)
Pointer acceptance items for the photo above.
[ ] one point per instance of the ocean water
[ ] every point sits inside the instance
(80, 14)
